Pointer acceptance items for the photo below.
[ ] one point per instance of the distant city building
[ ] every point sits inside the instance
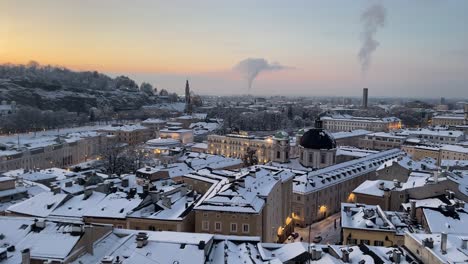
(130, 134)
(382, 141)
(50, 151)
(337, 123)
(276, 148)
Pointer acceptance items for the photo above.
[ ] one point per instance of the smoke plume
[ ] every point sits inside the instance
(372, 19)
(250, 68)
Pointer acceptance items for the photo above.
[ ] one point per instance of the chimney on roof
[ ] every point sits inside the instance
(201, 245)
(413, 211)
(381, 185)
(166, 201)
(315, 253)
(464, 243)
(125, 182)
(26, 256)
(142, 239)
(345, 255)
(87, 193)
(436, 176)
(443, 242)
(396, 256)
(107, 260)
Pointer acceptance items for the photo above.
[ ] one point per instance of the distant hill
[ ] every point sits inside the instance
(53, 88)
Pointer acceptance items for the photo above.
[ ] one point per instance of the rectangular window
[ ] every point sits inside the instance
(245, 228)
(378, 243)
(365, 242)
(322, 158)
(310, 157)
(278, 154)
(205, 225)
(233, 227)
(218, 226)
(352, 241)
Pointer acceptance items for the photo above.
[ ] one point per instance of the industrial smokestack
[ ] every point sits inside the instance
(372, 19)
(365, 95)
(250, 68)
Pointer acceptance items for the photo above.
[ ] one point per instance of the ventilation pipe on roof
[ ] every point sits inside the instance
(443, 242)
(26, 256)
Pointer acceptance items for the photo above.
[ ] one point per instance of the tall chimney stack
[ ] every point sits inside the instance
(365, 95)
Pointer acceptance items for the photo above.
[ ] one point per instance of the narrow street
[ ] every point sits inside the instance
(325, 228)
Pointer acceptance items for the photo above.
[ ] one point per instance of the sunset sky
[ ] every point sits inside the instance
(423, 46)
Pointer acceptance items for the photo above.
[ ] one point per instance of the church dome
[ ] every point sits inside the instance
(318, 138)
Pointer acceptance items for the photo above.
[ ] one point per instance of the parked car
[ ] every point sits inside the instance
(317, 239)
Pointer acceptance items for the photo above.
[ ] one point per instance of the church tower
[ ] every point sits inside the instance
(188, 102)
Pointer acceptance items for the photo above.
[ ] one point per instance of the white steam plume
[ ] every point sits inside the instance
(250, 68)
(372, 19)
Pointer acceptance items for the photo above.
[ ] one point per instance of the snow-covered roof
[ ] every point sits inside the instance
(361, 118)
(40, 205)
(78, 205)
(353, 151)
(114, 205)
(328, 176)
(455, 253)
(352, 133)
(202, 160)
(372, 217)
(443, 219)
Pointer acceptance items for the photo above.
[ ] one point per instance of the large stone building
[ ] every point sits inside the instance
(130, 134)
(276, 148)
(437, 152)
(318, 194)
(370, 225)
(256, 203)
(347, 123)
(51, 151)
(381, 141)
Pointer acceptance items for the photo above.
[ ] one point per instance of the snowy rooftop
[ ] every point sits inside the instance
(78, 205)
(40, 205)
(331, 175)
(246, 193)
(353, 151)
(353, 133)
(125, 128)
(361, 118)
(201, 160)
(372, 217)
(114, 205)
(455, 253)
